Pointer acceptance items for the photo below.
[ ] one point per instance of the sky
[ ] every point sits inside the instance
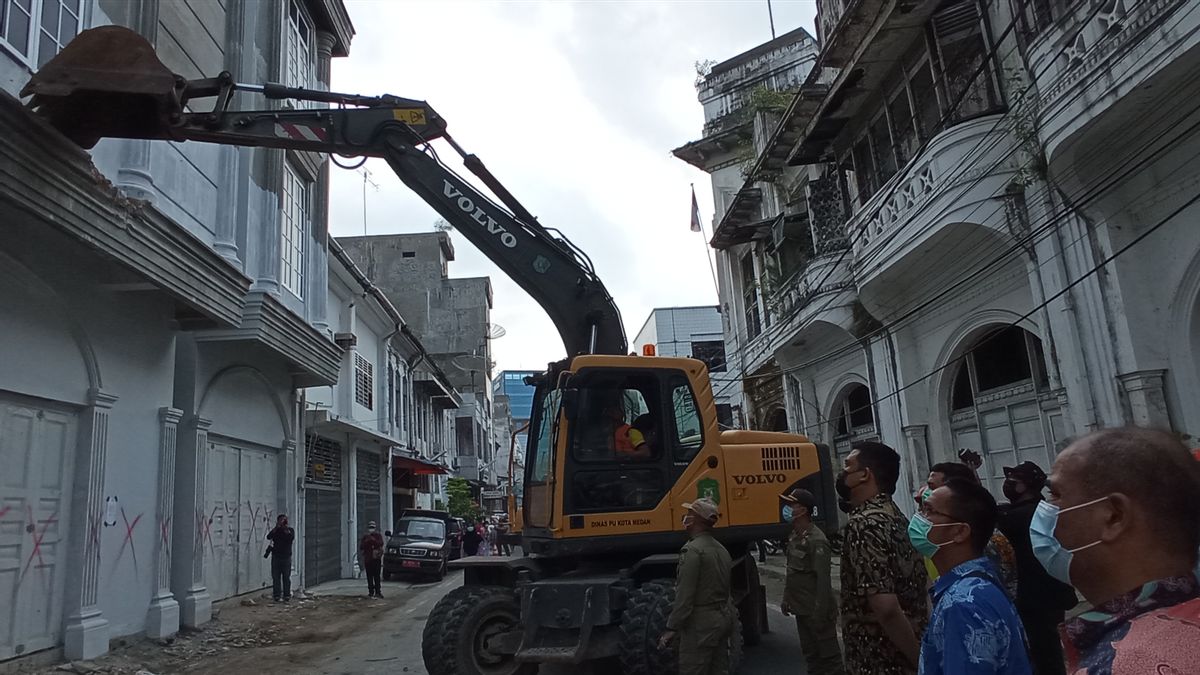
(575, 107)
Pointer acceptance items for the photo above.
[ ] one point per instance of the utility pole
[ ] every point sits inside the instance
(771, 16)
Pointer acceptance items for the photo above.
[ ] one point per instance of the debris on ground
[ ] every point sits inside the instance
(245, 635)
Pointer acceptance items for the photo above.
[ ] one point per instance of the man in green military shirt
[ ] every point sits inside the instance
(702, 615)
(808, 591)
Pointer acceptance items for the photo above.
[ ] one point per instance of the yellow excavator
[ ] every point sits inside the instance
(600, 522)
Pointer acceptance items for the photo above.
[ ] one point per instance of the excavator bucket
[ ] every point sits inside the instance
(106, 82)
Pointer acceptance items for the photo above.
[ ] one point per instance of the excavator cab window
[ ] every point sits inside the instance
(543, 442)
(628, 429)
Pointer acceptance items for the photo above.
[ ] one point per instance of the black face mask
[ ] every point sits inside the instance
(1011, 491)
(844, 505)
(840, 484)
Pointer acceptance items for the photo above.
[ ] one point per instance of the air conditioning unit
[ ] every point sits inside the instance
(345, 340)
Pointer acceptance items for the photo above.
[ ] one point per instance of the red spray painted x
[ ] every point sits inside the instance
(37, 538)
(129, 540)
(164, 531)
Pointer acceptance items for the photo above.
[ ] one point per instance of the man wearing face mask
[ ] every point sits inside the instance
(702, 615)
(974, 628)
(1041, 599)
(883, 601)
(808, 590)
(1122, 525)
(370, 552)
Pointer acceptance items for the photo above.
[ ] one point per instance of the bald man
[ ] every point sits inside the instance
(1122, 525)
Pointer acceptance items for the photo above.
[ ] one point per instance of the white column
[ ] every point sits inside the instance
(86, 634)
(196, 604)
(162, 619)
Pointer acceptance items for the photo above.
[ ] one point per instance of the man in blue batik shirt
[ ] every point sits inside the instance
(974, 629)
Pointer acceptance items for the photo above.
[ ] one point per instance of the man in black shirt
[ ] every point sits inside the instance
(1041, 599)
(281, 539)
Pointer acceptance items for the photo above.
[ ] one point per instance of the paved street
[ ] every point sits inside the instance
(393, 644)
(336, 630)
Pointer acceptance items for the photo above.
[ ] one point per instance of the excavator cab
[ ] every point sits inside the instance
(618, 443)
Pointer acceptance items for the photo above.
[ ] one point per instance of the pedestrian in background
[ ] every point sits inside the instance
(1041, 599)
(1122, 525)
(370, 553)
(883, 600)
(471, 539)
(974, 628)
(502, 530)
(808, 589)
(702, 615)
(281, 538)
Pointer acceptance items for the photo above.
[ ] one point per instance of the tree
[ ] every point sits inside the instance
(440, 225)
(461, 504)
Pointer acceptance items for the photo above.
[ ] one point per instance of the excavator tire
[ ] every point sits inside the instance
(458, 627)
(645, 619)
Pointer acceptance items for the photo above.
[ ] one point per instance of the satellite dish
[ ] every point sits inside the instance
(495, 331)
(468, 363)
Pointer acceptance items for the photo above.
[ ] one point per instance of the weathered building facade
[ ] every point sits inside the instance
(992, 265)
(452, 318)
(162, 306)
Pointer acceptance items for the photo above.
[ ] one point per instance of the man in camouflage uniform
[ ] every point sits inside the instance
(808, 591)
(702, 615)
(884, 603)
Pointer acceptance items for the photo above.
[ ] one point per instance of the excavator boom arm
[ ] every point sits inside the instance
(153, 104)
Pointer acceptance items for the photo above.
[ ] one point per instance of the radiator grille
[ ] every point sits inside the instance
(781, 458)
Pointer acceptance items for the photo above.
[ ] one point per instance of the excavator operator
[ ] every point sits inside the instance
(628, 441)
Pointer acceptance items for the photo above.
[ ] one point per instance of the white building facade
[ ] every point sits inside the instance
(1000, 253)
(696, 332)
(370, 438)
(162, 306)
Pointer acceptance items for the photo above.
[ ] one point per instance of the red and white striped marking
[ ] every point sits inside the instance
(300, 132)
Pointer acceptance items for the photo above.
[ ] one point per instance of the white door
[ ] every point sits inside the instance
(222, 489)
(36, 451)
(241, 497)
(257, 518)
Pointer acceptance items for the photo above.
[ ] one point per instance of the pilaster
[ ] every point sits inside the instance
(162, 619)
(86, 630)
(916, 437)
(191, 468)
(1145, 398)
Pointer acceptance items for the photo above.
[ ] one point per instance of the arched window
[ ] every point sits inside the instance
(1001, 406)
(853, 419)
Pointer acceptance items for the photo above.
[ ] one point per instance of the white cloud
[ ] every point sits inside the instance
(575, 107)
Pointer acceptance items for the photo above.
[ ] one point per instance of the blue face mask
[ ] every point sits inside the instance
(1046, 548)
(788, 513)
(919, 528)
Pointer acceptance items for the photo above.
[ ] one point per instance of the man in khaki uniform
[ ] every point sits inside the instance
(702, 615)
(808, 591)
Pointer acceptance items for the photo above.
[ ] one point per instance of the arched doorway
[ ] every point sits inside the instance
(852, 420)
(1000, 403)
(778, 420)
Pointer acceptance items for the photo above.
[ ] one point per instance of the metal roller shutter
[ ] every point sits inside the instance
(367, 488)
(322, 511)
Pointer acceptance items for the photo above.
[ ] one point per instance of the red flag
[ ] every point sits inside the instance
(695, 212)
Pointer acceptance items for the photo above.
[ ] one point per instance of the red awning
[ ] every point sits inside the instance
(418, 467)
